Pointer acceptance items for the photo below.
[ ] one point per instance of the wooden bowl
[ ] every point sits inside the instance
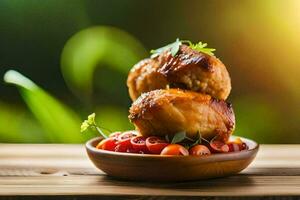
(149, 167)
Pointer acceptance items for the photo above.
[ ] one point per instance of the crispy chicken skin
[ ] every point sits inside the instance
(161, 112)
(188, 69)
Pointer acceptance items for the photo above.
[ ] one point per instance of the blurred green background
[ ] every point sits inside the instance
(78, 54)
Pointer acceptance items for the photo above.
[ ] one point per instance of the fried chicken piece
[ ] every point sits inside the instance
(166, 112)
(188, 69)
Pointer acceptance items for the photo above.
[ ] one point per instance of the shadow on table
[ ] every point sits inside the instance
(231, 181)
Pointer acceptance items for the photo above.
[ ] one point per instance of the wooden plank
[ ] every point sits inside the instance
(65, 170)
(101, 185)
(60, 171)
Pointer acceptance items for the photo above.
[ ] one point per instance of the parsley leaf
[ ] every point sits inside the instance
(173, 48)
(90, 123)
(200, 46)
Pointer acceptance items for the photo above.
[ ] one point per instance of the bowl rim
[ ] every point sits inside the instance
(253, 148)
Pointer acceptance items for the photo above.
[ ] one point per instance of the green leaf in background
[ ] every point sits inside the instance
(17, 125)
(95, 47)
(60, 123)
(114, 118)
(256, 119)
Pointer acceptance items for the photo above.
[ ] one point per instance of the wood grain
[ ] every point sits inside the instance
(50, 169)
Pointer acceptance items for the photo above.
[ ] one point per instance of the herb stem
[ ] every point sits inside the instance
(190, 139)
(100, 131)
(205, 140)
(187, 41)
(105, 129)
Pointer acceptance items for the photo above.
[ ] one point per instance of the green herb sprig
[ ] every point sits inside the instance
(181, 136)
(174, 48)
(90, 123)
(200, 46)
(178, 137)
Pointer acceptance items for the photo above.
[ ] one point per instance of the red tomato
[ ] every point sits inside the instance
(123, 141)
(138, 143)
(122, 148)
(125, 138)
(131, 150)
(233, 146)
(107, 144)
(155, 144)
(115, 134)
(199, 150)
(244, 146)
(175, 149)
(218, 146)
(128, 149)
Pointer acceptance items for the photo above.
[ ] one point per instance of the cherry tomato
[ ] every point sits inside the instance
(138, 143)
(131, 150)
(199, 150)
(175, 149)
(218, 146)
(122, 147)
(115, 134)
(123, 141)
(155, 144)
(244, 146)
(128, 149)
(233, 146)
(107, 144)
(125, 138)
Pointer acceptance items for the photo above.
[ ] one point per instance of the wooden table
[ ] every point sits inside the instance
(47, 170)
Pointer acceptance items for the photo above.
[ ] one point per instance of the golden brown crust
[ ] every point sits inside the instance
(189, 69)
(144, 77)
(162, 112)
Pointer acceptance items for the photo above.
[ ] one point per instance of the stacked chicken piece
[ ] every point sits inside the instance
(184, 92)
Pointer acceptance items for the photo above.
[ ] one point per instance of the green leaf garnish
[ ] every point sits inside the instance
(90, 123)
(173, 48)
(198, 140)
(178, 137)
(183, 139)
(200, 46)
